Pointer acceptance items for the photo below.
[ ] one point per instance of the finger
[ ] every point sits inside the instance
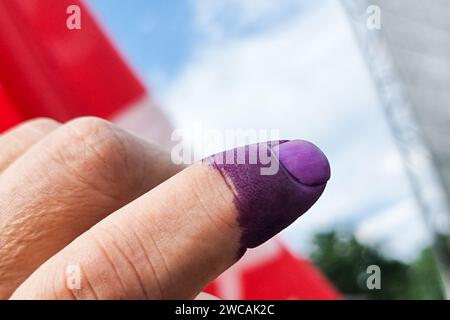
(206, 296)
(66, 183)
(19, 139)
(171, 242)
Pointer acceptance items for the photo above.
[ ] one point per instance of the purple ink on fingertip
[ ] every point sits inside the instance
(305, 162)
(269, 203)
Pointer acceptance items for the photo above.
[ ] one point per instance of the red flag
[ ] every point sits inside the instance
(9, 115)
(50, 70)
(272, 272)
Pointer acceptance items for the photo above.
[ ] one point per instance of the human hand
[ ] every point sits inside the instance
(90, 197)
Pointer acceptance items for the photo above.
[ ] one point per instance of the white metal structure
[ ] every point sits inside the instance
(407, 47)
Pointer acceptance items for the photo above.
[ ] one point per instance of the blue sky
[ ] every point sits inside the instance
(291, 65)
(155, 35)
(160, 36)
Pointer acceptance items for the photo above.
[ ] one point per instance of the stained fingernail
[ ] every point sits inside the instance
(305, 162)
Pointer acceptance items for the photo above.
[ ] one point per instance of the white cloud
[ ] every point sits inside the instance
(304, 77)
(218, 19)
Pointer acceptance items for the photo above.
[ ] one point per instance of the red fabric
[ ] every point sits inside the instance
(8, 115)
(49, 70)
(283, 277)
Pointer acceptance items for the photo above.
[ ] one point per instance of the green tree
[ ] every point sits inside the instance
(345, 260)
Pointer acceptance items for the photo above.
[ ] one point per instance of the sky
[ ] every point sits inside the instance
(289, 65)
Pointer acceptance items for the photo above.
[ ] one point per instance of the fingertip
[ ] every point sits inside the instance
(269, 201)
(305, 162)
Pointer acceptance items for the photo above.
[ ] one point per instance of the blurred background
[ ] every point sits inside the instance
(367, 81)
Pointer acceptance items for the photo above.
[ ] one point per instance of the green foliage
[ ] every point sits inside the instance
(345, 260)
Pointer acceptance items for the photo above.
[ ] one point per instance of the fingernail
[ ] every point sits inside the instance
(267, 204)
(305, 162)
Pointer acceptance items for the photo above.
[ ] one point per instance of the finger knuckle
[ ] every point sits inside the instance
(127, 262)
(40, 124)
(93, 153)
(31, 130)
(95, 134)
(92, 143)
